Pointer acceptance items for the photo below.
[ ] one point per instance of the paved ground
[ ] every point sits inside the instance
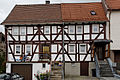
(81, 78)
(109, 78)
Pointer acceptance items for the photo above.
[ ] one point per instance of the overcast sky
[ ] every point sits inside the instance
(7, 5)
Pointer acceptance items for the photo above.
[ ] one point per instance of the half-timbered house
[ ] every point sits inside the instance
(35, 36)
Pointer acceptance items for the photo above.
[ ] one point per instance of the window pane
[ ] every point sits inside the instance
(82, 48)
(17, 49)
(15, 30)
(79, 29)
(71, 29)
(45, 49)
(22, 30)
(28, 49)
(43, 65)
(95, 28)
(71, 48)
(46, 29)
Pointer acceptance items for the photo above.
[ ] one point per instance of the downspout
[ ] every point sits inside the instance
(63, 56)
(109, 25)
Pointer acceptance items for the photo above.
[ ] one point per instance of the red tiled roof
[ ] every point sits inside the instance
(29, 14)
(113, 4)
(81, 12)
(55, 13)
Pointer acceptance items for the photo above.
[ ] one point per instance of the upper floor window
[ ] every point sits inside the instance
(71, 48)
(18, 49)
(22, 31)
(95, 28)
(46, 29)
(15, 30)
(82, 48)
(28, 49)
(71, 29)
(79, 29)
(46, 49)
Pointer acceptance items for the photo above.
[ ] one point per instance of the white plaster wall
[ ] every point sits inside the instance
(37, 68)
(8, 67)
(115, 30)
(72, 69)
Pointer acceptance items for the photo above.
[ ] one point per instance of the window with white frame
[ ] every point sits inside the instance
(71, 29)
(79, 29)
(95, 28)
(15, 30)
(28, 49)
(71, 48)
(82, 48)
(46, 29)
(18, 49)
(22, 30)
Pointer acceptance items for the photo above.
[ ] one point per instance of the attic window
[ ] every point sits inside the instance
(93, 12)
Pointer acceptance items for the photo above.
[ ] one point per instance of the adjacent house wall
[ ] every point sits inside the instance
(115, 30)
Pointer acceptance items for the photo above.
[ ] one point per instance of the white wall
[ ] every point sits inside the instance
(115, 30)
(36, 68)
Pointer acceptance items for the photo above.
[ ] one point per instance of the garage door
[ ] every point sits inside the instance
(84, 68)
(23, 69)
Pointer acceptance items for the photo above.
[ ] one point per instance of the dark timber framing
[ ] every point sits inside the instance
(38, 30)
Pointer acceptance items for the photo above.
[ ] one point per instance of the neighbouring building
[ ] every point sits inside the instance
(35, 35)
(112, 9)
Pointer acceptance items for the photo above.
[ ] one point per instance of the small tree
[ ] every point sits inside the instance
(2, 62)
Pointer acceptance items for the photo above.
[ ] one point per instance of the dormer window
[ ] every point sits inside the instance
(93, 12)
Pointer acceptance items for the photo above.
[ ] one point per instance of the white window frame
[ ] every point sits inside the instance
(95, 26)
(22, 30)
(27, 49)
(72, 48)
(77, 29)
(15, 31)
(80, 48)
(47, 29)
(71, 28)
(16, 50)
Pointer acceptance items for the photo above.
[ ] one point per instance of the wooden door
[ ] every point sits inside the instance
(23, 69)
(84, 68)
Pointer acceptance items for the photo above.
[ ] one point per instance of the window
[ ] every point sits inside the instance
(43, 65)
(71, 29)
(22, 31)
(15, 31)
(28, 49)
(95, 28)
(79, 29)
(45, 49)
(18, 49)
(93, 12)
(82, 48)
(72, 48)
(46, 29)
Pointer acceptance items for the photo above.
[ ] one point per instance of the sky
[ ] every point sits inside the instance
(7, 5)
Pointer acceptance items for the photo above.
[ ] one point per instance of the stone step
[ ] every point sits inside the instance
(55, 76)
(57, 72)
(106, 75)
(55, 79)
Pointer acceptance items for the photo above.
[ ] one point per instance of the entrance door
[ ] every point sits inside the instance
(100, 51)
(84, 68)
(23, 69)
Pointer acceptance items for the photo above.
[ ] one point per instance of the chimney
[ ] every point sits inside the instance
(47, 1)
